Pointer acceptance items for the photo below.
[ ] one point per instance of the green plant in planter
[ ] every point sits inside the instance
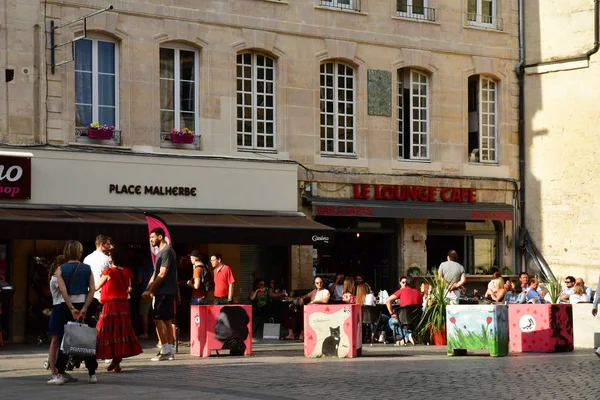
(414, 271)
(554, 288)
(434, 316)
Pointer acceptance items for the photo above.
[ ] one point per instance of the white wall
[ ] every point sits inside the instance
(83, 179)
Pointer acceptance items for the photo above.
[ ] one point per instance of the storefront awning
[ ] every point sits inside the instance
(84, 225)
(407, 209)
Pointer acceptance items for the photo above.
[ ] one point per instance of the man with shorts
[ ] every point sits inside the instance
(163, 286)
(145, 271)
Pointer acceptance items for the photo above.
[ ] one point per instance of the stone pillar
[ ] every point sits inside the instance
(301, 266)
(414, 251)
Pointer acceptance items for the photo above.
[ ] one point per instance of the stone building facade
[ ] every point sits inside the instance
(386, 94)
(561, 93)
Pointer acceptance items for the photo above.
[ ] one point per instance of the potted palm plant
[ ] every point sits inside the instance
(434, 317)
(554, 287)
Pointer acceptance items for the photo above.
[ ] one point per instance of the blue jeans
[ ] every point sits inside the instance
(198, 302)
(399, 331)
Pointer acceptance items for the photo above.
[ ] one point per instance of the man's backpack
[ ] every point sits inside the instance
(207, 280)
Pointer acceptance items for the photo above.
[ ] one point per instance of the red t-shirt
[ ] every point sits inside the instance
(409, 296)
(116, 287)
(223, 278)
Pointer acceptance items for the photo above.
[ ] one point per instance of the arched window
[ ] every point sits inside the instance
(96, 82)
(255, 101)
(179, 82)
(338, 132)
(413, 114)
(483, 119)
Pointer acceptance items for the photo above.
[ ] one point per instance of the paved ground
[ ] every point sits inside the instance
(279, 371)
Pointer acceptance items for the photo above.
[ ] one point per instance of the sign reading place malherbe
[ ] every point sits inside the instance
(15, 177)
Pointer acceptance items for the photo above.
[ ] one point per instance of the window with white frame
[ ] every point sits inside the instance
(413, 114)
(416, 9)
(96, 82)
(338, 134)
(255, 101)
(483, 119)
(178, 89)
(481, 12)
(342, 4)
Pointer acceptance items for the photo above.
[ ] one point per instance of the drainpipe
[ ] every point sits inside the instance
(520, 71)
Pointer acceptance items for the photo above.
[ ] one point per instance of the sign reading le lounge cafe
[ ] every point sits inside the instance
(15, 177)
(406, 201)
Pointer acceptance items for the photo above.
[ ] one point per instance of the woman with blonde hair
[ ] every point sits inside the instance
(579, 295)
(361, 293)
(76, 284)
(348, 291)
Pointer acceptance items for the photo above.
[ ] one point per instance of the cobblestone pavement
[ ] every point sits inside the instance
(279, 371)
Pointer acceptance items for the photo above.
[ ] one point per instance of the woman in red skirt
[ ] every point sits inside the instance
(116, 338)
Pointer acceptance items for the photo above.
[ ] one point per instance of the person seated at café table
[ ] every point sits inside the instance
(407, 296)
(348, 293)
(511, 293)
(532, 294)
(336, 288)
(259, 298)
(498, 292)
(319, 295)
(588, 290)
(568, 290)
(579, 295)
(294, 317)
(274, 292)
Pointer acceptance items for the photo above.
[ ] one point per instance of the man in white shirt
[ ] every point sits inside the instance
(98, 261)
(588, 290)
(568, 290)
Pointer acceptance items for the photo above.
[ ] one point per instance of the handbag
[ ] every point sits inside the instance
(79, 340)
(271, 330)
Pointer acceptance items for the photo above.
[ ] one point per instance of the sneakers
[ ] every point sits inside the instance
(163, 357)
(69, 378)
(57, 381)
(92, 379)
(401, 342)
(410, 339)
(381, 338)
(108, 361)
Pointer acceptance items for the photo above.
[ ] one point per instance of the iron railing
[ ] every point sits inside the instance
(165, 142)
(81, 136)
(415, 12)
(353, 5)
(484, 21)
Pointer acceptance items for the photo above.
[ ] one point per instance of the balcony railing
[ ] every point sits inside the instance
(353, 5)
(81, 136)
(415, 12)
(484, 21)
(165, 142)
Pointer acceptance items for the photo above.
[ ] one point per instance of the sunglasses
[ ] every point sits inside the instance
(403, 282)
(568, 281)
(318, 283)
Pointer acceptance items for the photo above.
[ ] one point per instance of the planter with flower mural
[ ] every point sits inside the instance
(475, 327)
(182, 136)
(102, 132)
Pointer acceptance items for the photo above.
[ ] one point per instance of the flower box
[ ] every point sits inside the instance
(184, 139)
(100, 134)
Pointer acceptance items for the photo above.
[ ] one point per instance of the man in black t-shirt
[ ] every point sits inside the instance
(163, 286)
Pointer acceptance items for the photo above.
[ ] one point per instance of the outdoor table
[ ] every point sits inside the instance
(222, 327)
(477, 326)
(540, 328)
(332, 330)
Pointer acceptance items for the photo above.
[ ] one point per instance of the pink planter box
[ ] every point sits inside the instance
(221, 328)
(99, 134)
(186, 139)
(540, 328)
(332, 330)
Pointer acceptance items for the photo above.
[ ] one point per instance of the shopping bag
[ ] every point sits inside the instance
(271, 330)
(79, 340)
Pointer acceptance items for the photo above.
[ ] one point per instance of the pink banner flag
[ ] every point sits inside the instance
(157, 222)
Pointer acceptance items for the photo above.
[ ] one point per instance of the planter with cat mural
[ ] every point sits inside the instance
(332, 330)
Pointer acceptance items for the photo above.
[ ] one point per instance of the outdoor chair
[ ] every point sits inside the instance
(408, 319)
(371, 316)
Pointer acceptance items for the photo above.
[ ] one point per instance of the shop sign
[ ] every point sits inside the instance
(414, 193)
(152, 190)
(321, 239)
(15, 177)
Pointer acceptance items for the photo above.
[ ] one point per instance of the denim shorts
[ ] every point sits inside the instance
(196, 301)
(54, 326)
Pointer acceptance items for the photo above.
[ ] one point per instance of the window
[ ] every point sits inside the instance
(255, 101)
(178, 89)
(415, 9)
(96, 82)
(481, 12)
(413, 114)
(337, 109)
(483, 111)
(342, 4)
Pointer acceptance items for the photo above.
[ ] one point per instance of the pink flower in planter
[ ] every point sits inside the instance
(488, 320)
(453, 320)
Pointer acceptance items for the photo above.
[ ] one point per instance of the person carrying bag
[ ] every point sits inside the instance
(77, 295)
